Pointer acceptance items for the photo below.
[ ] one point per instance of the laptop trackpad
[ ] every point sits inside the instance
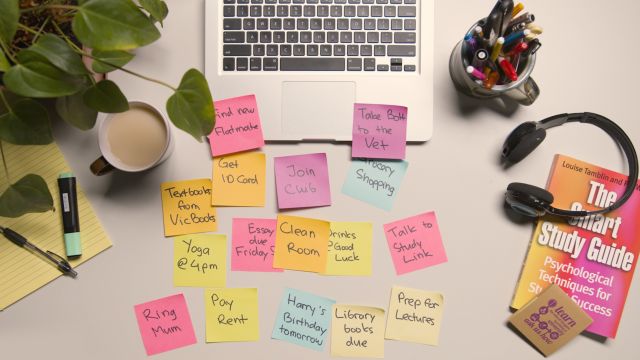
(316, 110)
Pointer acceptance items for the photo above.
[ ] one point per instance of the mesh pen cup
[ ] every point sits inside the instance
(524, 90)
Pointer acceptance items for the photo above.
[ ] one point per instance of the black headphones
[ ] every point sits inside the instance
(533, 201)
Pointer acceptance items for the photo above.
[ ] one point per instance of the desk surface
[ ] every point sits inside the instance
(586, 64)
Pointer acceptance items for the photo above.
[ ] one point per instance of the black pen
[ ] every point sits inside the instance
(21, 241)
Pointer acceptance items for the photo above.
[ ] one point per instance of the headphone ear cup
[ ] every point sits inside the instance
(522, 141)
(528, 200)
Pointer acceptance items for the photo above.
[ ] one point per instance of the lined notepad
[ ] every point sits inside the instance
(22, 272)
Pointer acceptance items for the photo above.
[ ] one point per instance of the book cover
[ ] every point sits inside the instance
(593, 258)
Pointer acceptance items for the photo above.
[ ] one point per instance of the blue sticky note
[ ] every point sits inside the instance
(303, 319)
(376, 182)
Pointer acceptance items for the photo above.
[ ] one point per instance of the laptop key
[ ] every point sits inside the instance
(262, 24)
(333, 37)
(352, 50)
(410, 24)
(318, 37)
(312, 64)
(285, 50)
(295, 10)
(401, 50)
(229, 1)
(389, 11)
(343, 24)
(258, 50)
(282, 11)
(325, 50)
(329, 24)
(289, 24)
(292, 37)
(404, 38)
(242, 11)
(272, 50)
(335, 10)
(359, 37)
(379, 50)
(339, 50)
(279, 37)
(410, 68)
(309, 11)
(242, 64)
(373, 37)
(306, 37)
(323, 11)
(369, 64)
(354, 64)
(407, 11)
(346, 37)
(386, 37)
(362, 11)
(369, 24)
(298, 50)
(349, 11)
(248, 24)
(275, 24)
(229, 11)
(270, 64)
(303, 24)
(356, 24)
(312, 50)
(265, 37)
(228, 64)
(255, 11)
(252, 37)
(382, 67)
(243, 1)
(269, 11)
(396, 24)
(315, 24)
(232, 24)
(366, 50)
(236, 50)
(376, 11)
(396, 67)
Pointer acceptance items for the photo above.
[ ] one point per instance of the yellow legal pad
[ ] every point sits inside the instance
(22, 272)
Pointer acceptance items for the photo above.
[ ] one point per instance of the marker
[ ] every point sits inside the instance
(513, 37)
(472, 44)
(480, 58)
(525, 18)
(69, 211)
(516, 9)
(475, 73)
(535, 29)
(497, 48)
(508, 69)
(534, 45)
(518, 49)
(491, 80)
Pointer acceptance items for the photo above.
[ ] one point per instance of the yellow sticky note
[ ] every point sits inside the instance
(357, 331)
(349, 249)
(231, 315)
(186, 207)
(239, 180)
(200, 260)
(414, 315)
(301, 244)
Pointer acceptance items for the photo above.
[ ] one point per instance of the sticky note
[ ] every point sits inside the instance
(231, 315)
(186, 207)
(239, 180)
(301, 244)
(200, 260)
(357, 331)
(550, 320)
(303, 319)
(349, 249)
(165, 324)
(414, 315)
(253, 245)
(302, 181)
(379, 131)
(376, 182)
(415, 243)
(238, 127)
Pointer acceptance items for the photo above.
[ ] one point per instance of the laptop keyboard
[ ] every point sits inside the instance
(320, 35)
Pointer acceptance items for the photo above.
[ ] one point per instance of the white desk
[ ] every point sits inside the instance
(457, 174)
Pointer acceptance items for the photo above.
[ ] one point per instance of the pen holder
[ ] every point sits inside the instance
(524, 90)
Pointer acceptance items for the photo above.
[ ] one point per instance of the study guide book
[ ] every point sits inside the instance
(593, 258)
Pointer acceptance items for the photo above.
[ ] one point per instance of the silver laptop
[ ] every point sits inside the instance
(309, 61)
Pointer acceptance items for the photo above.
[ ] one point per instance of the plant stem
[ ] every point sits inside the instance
(8, 51)
(5, 102)
(27, 29)
(46, 21)
(4, 162)
(67, 7)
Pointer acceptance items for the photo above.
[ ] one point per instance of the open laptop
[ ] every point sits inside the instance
(309, 61)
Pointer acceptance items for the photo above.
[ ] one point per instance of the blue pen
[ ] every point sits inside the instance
(472, 44)
(515, 36)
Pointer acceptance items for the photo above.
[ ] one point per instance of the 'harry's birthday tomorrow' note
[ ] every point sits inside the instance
(186, 207)
(415, 243)
(237, 127)
(165, 324)
(379, 131)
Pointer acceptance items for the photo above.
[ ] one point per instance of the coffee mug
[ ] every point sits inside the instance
(133, 141)
(524, 90)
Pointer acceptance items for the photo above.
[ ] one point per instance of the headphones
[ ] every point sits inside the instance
(532, 201)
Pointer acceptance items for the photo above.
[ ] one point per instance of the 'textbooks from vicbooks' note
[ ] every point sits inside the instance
(592, 259)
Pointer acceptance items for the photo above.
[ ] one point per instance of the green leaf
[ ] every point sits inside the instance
(29, 195)
(9, 16)
(59, 54)
(157, 9)
(27, 123)
(190, 108)
(37, 78)
(106, 97)
(4, 63)
(115, 57)
(113, 25)
(73, 110)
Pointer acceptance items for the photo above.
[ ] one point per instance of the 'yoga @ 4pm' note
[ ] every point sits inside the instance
(200, 260)
(379, 131)
(186, 207)
(237, 127)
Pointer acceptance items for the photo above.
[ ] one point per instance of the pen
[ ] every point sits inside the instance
(497, 48)
(508, 69)
(513, 37)
(516, 9)
(480, 58)
(475, 73)
(534, 45)
(525, 18)
(491, 80)
(518, 49)
(56, 260)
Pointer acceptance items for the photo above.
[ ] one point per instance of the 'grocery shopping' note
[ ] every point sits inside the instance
(376, 182)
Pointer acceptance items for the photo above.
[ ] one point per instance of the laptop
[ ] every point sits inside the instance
(309, 61)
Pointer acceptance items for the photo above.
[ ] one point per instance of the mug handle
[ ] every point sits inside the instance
(526, 93)
(101, 166)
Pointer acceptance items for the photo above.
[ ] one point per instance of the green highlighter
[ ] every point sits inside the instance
(69, 210)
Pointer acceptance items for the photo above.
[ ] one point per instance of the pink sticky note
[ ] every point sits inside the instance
(302, 181)
(238, 126)
(379, 131)
(253, 245)
(165, 324)
(415, 243)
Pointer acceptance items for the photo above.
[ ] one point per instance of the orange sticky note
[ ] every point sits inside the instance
(186, 207)
(301, 244)
(239, 180)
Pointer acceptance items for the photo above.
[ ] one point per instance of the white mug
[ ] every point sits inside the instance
(131, 141)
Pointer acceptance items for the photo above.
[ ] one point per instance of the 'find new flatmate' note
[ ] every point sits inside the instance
(237, 127)
(379, 131)
(186, 207)
(165, 324)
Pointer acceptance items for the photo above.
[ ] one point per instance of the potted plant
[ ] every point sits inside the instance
(42, 45)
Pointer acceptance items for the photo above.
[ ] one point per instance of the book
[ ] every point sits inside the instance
(592, 258)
